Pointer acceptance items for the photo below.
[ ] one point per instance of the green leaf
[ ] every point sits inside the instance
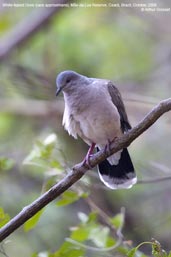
(92, 217)
(69, 250)
(31, 223)
(85, 230)
(42, 151)
(4, 217)
(56, 164)
(99, 236)
(117, 220)
(80, 233)
(132, 252)
(89, 229)
(110, 241)
(6, 163)
(68, 197)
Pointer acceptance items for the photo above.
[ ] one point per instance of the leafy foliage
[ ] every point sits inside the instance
(118, 220)
(31, 223)
(90, 234)
(42, 153)
(69, 197)
(156, 251)
(4, 217)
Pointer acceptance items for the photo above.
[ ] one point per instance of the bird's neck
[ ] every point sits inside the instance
(77, 100)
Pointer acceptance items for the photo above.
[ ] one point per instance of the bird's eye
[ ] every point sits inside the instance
(68, 80)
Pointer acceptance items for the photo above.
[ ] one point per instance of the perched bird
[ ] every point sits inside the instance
(94, 111)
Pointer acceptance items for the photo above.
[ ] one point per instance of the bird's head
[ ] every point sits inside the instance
(68, 80)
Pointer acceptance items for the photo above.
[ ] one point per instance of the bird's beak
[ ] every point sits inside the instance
(58, 91)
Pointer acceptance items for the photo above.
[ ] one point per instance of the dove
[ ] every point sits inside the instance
(94, 111)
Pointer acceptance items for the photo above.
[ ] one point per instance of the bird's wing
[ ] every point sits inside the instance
(118, 102)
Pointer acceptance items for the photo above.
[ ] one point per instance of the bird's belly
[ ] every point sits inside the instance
(100, 128)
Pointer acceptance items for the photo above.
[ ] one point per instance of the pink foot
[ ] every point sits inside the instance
(86, 160)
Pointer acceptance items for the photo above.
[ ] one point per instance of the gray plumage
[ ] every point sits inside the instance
(94, 111)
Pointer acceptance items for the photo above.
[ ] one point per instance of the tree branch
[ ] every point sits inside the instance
(37, 108)
(79, 170)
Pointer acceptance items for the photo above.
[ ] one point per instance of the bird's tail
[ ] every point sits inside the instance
(118, 176)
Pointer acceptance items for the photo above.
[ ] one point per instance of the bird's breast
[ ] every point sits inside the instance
(93, 117)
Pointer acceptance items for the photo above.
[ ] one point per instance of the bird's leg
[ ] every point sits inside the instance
(88, 155)
(107, 147)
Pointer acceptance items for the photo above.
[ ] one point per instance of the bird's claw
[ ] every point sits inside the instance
(86, 161)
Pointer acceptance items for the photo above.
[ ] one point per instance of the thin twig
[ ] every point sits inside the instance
(2, 250)
(37, 108)
(79, 170)
(92, 248)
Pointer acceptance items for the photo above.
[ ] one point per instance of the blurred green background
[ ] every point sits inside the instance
(126, 45)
